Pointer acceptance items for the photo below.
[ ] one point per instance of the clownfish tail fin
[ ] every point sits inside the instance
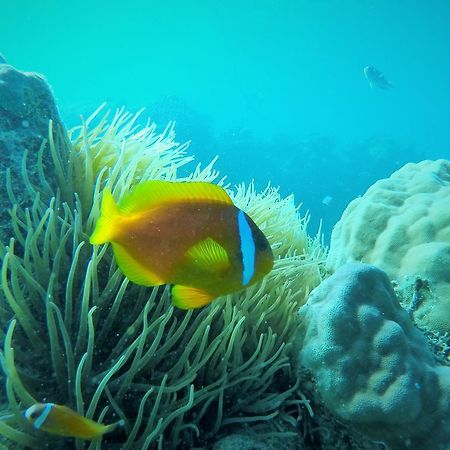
(107, 222)
(113, 426)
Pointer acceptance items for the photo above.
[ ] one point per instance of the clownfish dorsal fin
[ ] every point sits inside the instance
(187, 297)
(134, 271)
(209, 255)
(150, 194)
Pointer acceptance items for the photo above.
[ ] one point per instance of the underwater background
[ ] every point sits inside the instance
(329, 329)
(275, 88)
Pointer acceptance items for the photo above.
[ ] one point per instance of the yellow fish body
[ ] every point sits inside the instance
(63, 421)
(189, 234)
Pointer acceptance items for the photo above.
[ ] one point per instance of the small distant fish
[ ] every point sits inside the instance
(63, 421)
(376, 78)
(189, 234)
(327, 200)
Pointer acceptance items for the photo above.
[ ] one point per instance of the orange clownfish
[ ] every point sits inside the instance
(63, 421)
(189, 234)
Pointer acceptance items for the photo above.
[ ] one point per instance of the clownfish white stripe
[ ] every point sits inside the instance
(43, 417)
(248, 249)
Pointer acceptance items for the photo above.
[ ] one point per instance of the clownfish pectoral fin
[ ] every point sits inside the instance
(150, 194)
(105, 226)
(133, 270)
(187, 297)
(209, 255)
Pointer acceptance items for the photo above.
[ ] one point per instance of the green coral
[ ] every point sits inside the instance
(75, 331)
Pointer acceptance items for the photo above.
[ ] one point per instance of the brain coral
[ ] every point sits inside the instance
(372, 366)
(402, 224)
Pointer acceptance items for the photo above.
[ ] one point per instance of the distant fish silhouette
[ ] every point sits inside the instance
(376, 78)
(327, 200)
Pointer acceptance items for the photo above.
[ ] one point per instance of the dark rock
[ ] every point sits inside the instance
(26, 106)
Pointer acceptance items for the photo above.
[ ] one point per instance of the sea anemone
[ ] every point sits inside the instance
(77, 332)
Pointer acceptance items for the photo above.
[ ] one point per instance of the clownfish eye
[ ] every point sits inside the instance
(34, 415)
(33, 412)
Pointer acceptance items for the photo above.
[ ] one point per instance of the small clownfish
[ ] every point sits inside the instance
(189, 234)
(63, 421)
(376, 78)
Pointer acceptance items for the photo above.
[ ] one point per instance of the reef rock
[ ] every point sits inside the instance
(242, 441)
(26, 106)
(373, 367)
(402, 224)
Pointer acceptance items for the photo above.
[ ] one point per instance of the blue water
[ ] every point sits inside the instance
(276, 88)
